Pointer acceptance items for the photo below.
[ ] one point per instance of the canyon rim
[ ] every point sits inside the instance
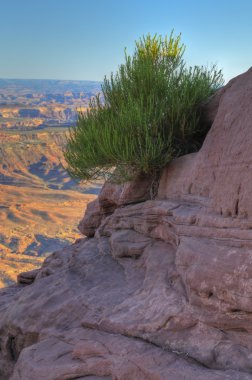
(161, 289)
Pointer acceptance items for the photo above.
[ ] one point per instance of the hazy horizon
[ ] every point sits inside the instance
(51, 79)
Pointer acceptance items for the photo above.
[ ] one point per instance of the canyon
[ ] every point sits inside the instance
(160, 288)
(40, 205)
(26, 104)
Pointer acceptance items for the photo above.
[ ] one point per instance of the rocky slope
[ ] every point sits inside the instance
(162, 287)
(34, 159)
(40, 205)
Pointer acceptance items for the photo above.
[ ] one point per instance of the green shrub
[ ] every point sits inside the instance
(148, 115)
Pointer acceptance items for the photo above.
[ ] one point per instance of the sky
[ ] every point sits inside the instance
(85, 39)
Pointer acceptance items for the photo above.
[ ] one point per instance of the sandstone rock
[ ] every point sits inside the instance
(223, 167)
(83, 352)
(113, 196)
(176, 179)
(209, 108)
(91, 219)
(128, 243)
(27, 277)
(163, 290)
(92, 301)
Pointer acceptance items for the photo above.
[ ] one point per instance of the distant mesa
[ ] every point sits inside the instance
(29, 112)
(34, 103)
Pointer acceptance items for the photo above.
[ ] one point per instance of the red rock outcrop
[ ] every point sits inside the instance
(163, 291)
(111, 197)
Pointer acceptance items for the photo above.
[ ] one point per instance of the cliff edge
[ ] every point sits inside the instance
(162, 288)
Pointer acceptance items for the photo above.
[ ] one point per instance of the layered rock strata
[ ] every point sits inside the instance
(162, 289)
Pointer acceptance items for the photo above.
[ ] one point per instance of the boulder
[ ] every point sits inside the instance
(28, 277)
(92, 219)
(114, 195)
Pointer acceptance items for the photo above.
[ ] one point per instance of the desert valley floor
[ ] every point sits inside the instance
(40, 205)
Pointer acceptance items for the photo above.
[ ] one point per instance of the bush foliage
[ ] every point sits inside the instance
(148, 115)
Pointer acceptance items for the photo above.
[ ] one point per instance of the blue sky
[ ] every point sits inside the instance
(85, 39)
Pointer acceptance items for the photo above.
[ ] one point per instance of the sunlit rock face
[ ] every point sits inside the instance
(162, 290)
(221, 171)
